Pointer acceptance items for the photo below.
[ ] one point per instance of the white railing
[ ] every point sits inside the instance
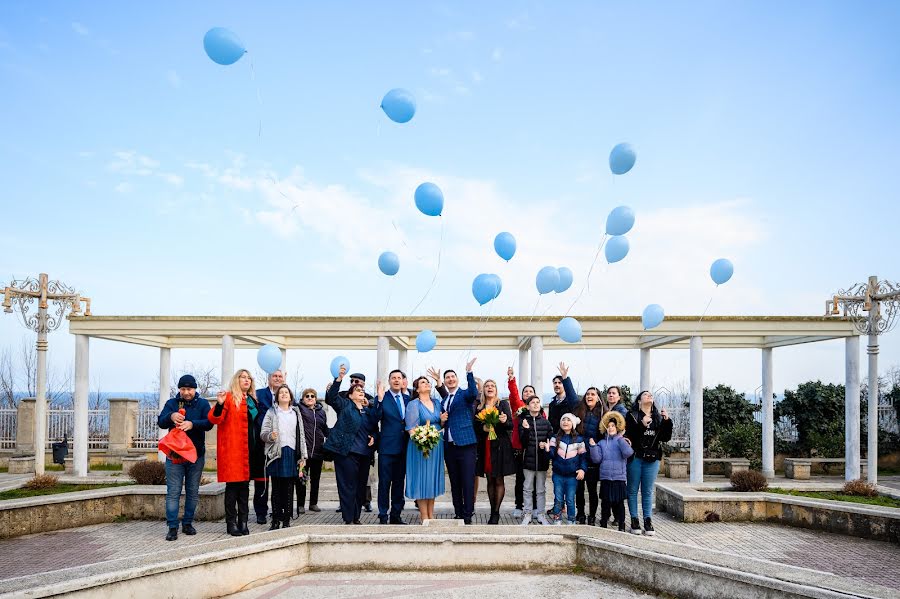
(8, 419)
(61, 425)
(146, 435)
(681, 426)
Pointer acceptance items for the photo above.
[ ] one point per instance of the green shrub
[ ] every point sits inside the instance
(149, 473)
(748, 481)
(744, 440)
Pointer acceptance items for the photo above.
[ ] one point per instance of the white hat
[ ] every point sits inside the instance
(575, 420)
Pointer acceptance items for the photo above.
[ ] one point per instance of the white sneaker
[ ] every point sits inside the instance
(526, 519)
(517, 513)
(543, 520)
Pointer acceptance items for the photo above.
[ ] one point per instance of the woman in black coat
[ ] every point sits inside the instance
(495, 459)
(315, 425)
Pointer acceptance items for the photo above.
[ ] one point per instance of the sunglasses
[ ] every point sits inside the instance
(309, 395)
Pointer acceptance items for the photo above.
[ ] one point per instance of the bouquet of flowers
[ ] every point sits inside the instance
(425, 437)
(489, 417)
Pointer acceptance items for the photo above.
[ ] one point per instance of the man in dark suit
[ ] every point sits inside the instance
(459, 440)
(265, 397)
(392, 449)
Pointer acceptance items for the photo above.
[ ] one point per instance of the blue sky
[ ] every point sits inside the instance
(134, 168)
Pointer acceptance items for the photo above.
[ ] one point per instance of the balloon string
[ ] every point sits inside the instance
(587, 279)
(534, 311)
(702, 316)
(380, 324)
(481, 324)
(402, 238)
(436, 270)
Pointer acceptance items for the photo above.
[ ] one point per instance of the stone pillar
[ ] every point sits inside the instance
(403, 362)
(123, 414)
(522, 375)
(165, 373)
(82, 390)
(537, 366)
(696, 399)
(227, 360)
(851, 408)
(284, 362)
(768, 416)
(872, 420)
(644, 384)
(381, 360)
(25, 426)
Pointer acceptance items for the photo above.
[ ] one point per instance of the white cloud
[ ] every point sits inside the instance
(173, 78)
(439, 72)
(123, 187)
(172, 179)
(497, 54)
(80, 29)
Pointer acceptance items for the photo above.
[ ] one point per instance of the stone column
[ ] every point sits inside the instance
(25, 426)
(284, 362)
(696, 399)
(227, 360)
(644, 384)
(851, 408)
(872, 420)
(403, 362)
(165, 373)
(522, 375)
(537, 366)
(82, 390)
(768, 416)
(123, 414)
(381, 360)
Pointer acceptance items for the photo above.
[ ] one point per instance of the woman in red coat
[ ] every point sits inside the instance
(235, 436)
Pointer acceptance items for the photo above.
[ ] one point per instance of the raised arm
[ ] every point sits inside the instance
(515, 400)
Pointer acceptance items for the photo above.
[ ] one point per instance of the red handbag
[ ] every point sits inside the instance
(178, 447)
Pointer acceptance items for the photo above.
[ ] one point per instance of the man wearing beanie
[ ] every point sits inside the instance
(195, 423)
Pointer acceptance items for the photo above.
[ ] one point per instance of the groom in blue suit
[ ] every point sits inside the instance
(459, 440)
(391, 413)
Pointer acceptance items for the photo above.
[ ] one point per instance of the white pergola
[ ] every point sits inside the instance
(529, 337)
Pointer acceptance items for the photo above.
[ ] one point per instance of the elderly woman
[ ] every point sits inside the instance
(646, 428)
(352, 441)
(315, 425)
(235, 413)
(495, 458)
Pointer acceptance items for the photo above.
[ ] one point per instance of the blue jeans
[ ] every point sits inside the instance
(564, 492)
(186, 474)
(641, 474)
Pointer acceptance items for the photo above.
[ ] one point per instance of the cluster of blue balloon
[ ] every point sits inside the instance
(553, 279)
(618, 223)
(486, 287)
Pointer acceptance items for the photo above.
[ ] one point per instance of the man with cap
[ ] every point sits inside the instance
(195, 423)
(265, 399)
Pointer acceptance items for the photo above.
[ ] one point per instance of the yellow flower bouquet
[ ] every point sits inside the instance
(489, 417)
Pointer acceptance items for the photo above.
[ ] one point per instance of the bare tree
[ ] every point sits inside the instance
(7, 380)
(207, 378)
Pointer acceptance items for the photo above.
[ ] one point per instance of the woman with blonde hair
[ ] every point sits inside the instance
(495, 458)
(234, 413)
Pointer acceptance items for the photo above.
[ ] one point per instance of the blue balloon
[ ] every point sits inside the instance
(498, 283)
(616, 248)
(505, 245)
(620, 220)
(485, 287)
(565, 279)
(547, 279)
(269, 358)
(336, 365)
(388, 263)
(621, 159)
(569, 330)
(425, 341)
(721, 270)
(653, 316)
(223, 46)
(429, 199)
(399, 105)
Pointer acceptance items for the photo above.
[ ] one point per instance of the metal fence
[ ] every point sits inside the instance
(147, 434)
(8, 419)
(61, 425)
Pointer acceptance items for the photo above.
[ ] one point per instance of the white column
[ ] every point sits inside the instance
(82, 389)
(537, 366)
(165, 374)
(40, 404)
(768, 416)
(872, 421)
(403, 362)
(227, 359)
(522, 374)
(851, 408)
(645, 370)
(381, 360)
(696, 399)
(284, 362)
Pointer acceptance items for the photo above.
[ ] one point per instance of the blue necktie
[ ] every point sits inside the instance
(400, 405)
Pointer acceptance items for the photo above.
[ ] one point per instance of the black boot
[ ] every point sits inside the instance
(635, 526)
(275, 524)
(580, 518)
(232, 528)
(648, 527)
(591, 521)
(622, 526)
(495, 518)
(603, 523)
(286, 522)
(242, 525)
(173, 534)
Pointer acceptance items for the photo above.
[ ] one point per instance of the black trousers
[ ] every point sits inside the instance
(352, 473)
(237, 496)
(460, 460)
(261, 498)
(617, 508)
(313, 475)
(391, 473)
(520, 479)
(591, 478)
(282, 498)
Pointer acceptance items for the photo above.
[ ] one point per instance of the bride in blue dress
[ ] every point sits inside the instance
(424, 476)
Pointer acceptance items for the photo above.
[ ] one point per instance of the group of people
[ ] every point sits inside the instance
(592, 443)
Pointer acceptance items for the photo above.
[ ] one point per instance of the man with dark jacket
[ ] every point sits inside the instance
(564, 399)
(194, 421)
(460, 451)
(391, 410)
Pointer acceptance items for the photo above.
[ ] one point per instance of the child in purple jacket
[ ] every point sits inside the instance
(612, 454)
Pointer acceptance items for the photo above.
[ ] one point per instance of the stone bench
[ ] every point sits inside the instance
(21, 464)
(128, 462)
(677, 468)
(799, 468)
(732, 465)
